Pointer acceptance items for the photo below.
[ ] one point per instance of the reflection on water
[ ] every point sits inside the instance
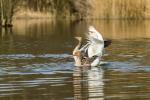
(36, 61)
(88, 83)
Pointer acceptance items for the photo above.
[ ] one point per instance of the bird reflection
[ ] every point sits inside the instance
(88, 83)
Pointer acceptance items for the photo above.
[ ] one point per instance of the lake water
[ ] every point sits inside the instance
(36, 61)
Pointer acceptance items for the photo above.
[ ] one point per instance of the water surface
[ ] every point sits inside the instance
(36, 61)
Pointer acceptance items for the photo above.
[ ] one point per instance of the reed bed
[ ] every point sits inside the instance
(124, 9)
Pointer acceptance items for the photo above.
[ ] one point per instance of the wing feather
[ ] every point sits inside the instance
(96, 42)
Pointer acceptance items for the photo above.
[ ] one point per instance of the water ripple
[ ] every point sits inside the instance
(127, 67)
(31, 56)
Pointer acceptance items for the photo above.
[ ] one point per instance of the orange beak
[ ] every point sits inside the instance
(77, 54)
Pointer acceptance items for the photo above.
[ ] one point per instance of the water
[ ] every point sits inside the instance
(36, 62)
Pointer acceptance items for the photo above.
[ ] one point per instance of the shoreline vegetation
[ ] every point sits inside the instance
(75, 10)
